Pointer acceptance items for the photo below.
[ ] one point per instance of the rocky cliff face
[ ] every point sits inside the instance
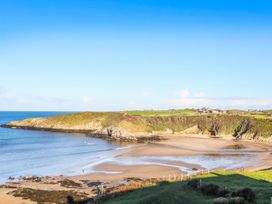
(124, 126)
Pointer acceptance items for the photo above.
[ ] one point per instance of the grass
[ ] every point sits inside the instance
(259, 115)
(82, 118)
(180, 192)
(267, 114)
(182, 112)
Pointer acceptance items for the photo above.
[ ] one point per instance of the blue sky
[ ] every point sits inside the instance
(135, 54)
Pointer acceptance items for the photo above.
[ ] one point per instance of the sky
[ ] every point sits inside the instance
(107, 55)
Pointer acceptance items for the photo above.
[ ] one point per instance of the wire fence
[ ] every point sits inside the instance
(189, 176)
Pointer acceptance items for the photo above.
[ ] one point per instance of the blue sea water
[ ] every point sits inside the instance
(29, 152)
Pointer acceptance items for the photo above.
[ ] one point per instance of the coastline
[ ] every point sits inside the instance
(168, 144)
(92, 133)
(138, 138)
(160, 168)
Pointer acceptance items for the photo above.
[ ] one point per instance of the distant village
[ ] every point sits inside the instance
(212, 111)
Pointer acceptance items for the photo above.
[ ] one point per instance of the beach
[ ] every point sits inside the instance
(258, 157)
(173, 157)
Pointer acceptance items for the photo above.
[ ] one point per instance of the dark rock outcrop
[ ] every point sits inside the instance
(242, 129)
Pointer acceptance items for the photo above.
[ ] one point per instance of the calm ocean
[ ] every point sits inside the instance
(27, 152)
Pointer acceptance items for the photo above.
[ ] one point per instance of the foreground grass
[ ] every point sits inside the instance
(180, 192)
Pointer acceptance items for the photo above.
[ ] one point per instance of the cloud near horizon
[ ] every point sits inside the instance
(13, 101)
(199, 100)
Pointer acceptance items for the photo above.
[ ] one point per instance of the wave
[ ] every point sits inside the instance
(121, 148)
(89, 143)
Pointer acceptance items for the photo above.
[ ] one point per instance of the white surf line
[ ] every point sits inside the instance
(141, 161)
(89, 168)
(204, 161)
(89, 143)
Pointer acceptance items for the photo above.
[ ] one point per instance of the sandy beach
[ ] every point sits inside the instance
(158, 162)
(183, 146)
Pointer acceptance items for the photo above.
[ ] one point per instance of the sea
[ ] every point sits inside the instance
(41, 153)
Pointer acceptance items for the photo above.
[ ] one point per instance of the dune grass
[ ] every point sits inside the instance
(180, 192)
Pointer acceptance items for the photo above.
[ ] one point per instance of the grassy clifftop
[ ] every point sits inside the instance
(180, 192)
(241, 124)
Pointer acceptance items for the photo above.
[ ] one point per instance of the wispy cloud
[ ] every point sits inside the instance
(184, 93)
(87, 101)
(199, 99)
(11, 100)
(199, 94)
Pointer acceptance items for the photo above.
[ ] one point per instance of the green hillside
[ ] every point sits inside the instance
(241, 124)
(180, 192)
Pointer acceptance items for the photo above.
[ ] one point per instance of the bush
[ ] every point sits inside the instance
(210, 189)
(70, 200)
(223, 193)
(195, 183)
(162, 183)
(247, 193)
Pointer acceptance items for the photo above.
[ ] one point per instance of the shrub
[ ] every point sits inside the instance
(223, 193)
(210, 189)
(162, 183)
(195, 183)
(247, 193)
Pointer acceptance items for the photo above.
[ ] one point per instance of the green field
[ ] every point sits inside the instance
(184, 112)
(180, 192)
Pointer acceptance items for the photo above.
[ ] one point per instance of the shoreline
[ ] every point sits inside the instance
(161, 140)
(171, 148)
(161, 147)
(92, 133)
(160, 136)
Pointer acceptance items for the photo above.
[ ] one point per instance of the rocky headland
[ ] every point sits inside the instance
(140, 126)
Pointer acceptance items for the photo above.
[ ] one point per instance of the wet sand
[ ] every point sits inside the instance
(138, 171)
(182, 146)
(188, 145)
